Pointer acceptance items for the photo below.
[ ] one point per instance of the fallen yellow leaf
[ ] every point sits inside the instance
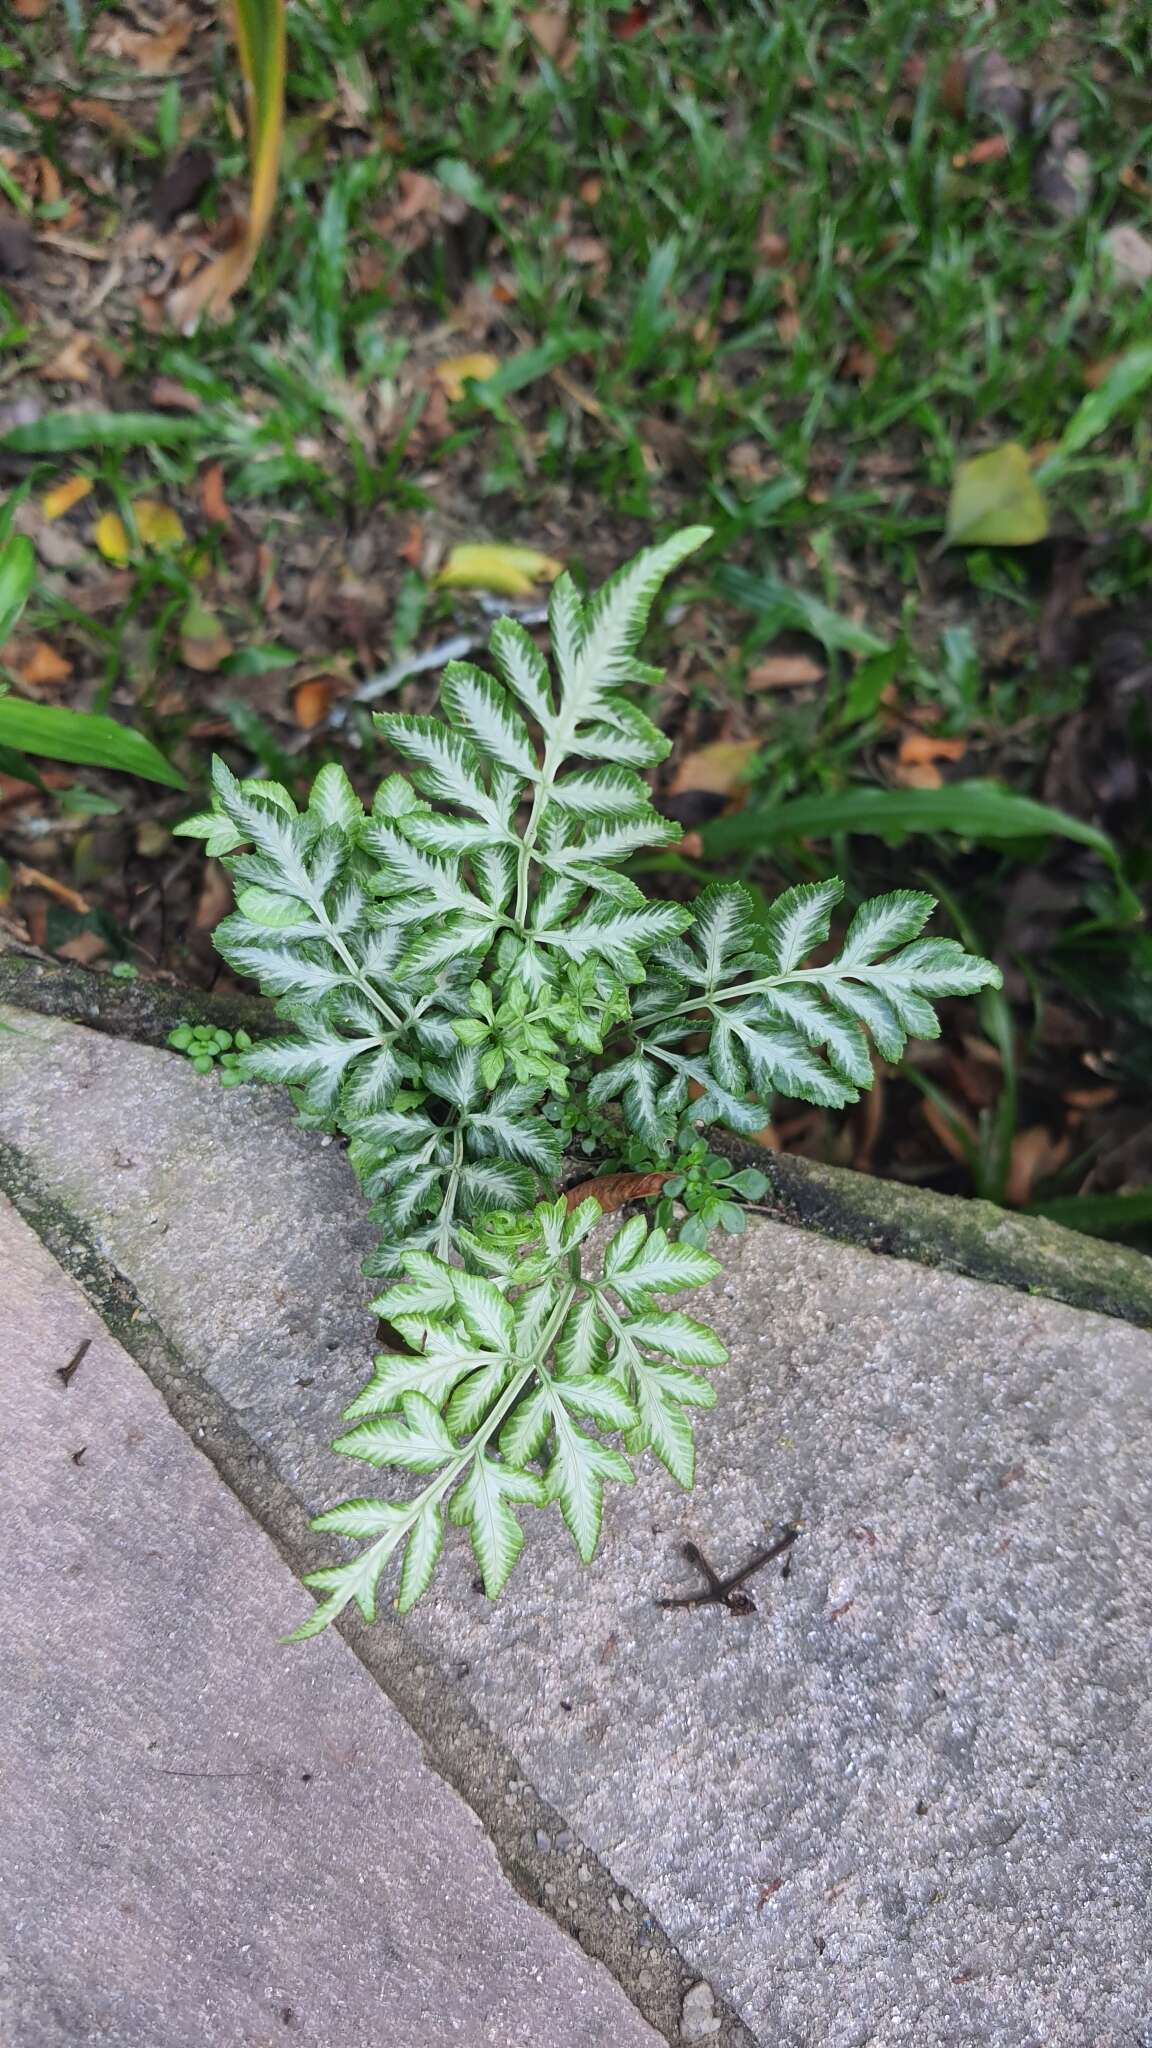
(158, 526)
(509, 571)
(56, 503)
(996, 501)
(453, 374)
(111, 537)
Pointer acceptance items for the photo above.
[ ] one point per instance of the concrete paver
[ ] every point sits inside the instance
(207, 1840)
(910, 1801)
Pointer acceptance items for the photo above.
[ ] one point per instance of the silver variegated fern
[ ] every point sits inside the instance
(469, 978)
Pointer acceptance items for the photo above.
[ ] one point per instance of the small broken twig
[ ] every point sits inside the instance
(64, 1372)
(724, 1592)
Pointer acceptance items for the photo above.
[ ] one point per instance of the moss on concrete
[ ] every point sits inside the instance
(974, 1238)
(142, 1010)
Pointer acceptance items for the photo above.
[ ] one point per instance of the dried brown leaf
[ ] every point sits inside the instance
(717, 768)
(785, 672)
(310, 701)
(35, 664)
(918, 747)
(1035, 1155)
(612, 1190)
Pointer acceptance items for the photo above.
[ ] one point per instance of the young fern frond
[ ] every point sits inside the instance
(467, 979)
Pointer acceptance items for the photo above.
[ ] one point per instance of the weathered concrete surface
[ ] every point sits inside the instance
(909, 1802)
(203, 1839)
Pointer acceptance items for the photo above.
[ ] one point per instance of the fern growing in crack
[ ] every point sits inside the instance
(471, 984)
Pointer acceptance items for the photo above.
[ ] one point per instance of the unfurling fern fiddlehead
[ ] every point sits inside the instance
(471, 983)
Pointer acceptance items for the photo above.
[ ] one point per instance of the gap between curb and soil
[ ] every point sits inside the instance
(610, 1924)
(975, 1239)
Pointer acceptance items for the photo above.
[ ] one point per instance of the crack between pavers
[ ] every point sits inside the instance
(611, 1925)
(974, 1239)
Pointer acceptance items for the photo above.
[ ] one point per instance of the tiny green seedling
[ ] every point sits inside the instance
(473, 992)
(213, 1050)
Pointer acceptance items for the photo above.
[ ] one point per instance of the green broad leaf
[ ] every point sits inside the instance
(471, 1404)
(433, 1371)
(595, 644)
(17, 577)
(259, 658)
(481, 709)
(486, 1315)
(749, 1182)
(446, 766)
(582, 1346)
(342, 1583)
(528, 1428)
(602, 793)
(664, 1428)
(483, 1505)
(265, 907)
(640, 1263)
(885, 922)
(1095, 413)
(421, 1557)
(426, 1292)
(797, 923)
(996, 501)
(84, 737)
(63, 433)
(617, 935)
(577, 1470)
(524, 669)
(363, 1520)
(317, 1062)
(972, 810)
(602, 1400)
(784, 606)
(678, 1337)
(416, 1441)
(333, 801)
(219, 834)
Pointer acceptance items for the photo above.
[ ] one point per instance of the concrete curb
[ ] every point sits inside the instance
(1025, 1253)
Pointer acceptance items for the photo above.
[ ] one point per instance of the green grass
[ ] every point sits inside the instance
(766, 190)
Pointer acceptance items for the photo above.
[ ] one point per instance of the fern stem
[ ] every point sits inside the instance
(737, 990)
(448, 1207)
(361, 980)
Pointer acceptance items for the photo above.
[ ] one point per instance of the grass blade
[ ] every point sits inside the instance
(84, 738)
(797, 610)
(1125, 381)
(972, 810)
(63, 432)
(1097, 1215)
(17, 575)
(260, 44)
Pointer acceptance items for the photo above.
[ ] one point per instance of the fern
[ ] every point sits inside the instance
(470, 984)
